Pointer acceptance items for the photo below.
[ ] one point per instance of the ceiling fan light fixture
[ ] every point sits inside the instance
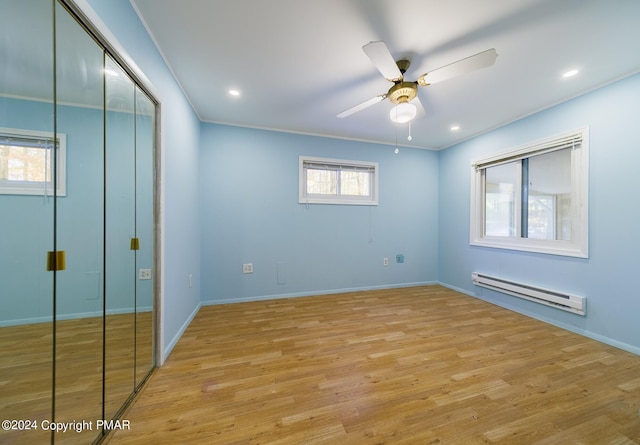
(403, 112)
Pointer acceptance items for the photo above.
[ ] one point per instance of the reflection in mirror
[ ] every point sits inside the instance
(145, 124)
(76, 175)
(26, 221)
(120, 225)
(79, 229)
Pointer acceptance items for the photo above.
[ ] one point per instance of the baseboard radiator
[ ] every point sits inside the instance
(559, 300)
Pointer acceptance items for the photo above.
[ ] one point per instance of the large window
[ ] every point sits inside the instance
(534, 198)
(27, 162)
(334, 181)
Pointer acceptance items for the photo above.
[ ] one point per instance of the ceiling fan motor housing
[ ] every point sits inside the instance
(403, 92)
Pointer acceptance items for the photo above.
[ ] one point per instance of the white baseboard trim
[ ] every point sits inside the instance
(60, 317)
(312, 293)
(174, 341)
(589, 334)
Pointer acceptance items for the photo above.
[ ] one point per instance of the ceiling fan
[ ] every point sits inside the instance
(404, 93)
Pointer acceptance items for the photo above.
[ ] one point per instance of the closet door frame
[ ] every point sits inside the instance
(94, 25)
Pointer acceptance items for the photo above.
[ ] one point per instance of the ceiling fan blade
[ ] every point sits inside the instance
(472, 63)
(383, 60)
(362, 106)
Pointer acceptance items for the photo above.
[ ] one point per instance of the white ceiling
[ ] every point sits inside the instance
(298, 63)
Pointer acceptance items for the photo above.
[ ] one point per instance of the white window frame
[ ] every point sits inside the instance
(578, 246)
(305, 198)
(11, 187)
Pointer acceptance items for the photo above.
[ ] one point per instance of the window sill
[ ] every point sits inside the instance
(549, 247)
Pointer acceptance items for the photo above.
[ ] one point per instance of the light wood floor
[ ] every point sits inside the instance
(26, 374)
(406, 366)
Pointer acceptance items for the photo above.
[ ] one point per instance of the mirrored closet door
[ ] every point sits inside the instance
(79, 229)
(27, 201)
(77, 226)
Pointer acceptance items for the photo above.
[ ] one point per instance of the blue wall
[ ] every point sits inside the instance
(607, 277)
(250, 214)
(240, 205)
(26, 231)
(26, 221)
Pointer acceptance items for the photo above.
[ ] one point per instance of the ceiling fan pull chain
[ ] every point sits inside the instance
(396, 150)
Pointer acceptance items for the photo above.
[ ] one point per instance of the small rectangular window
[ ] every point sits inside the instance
(533, 198)
(334, 181)
(26, 162)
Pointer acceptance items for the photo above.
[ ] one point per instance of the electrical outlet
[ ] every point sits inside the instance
(247, 268)
(144, 274)
(400, 258)
(385, 262)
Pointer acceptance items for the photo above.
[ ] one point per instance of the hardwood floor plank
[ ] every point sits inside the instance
(398, 366)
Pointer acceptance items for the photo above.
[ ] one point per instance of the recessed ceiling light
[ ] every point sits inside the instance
(570, 73)
(234, 93)
(454, 127)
